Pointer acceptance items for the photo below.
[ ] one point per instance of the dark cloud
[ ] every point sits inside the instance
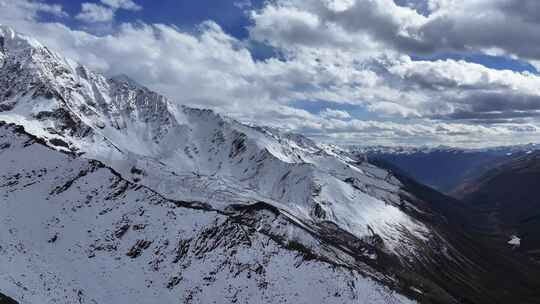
(459, 34)
(511, 26)
(376, 19)
(491, 118)
(526, 10)
(507, 25)
(503, 102)
(494, 108)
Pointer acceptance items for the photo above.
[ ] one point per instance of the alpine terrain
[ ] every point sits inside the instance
(506, 204)
(112, 193)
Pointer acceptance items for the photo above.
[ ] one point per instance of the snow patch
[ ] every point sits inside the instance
(515, 241)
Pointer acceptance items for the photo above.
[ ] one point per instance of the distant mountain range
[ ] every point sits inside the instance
(498, 185)
(443, 168)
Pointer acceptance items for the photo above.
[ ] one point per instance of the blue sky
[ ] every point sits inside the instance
(395, 72)
(185, 14)
(232, 16)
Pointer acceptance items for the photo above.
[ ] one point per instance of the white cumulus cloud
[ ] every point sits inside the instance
(122, 4)
(91, 12)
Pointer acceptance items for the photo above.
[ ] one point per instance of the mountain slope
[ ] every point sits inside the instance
(507, 203)
(6, 300)
(75, 232)
(141, 193)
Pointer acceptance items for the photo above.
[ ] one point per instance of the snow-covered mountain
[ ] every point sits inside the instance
(75, 231)
(115, 194)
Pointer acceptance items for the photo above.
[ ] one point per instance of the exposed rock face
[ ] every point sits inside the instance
(6, 300)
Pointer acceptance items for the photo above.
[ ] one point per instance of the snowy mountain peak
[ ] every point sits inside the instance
(12, 41)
